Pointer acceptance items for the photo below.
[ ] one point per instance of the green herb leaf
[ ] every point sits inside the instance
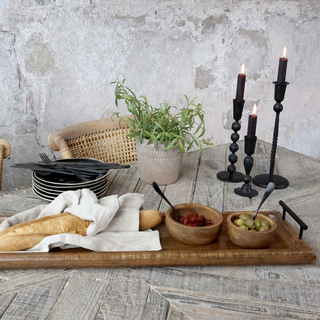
(159, 125)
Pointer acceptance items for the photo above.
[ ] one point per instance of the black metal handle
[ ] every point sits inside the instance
(285, 208)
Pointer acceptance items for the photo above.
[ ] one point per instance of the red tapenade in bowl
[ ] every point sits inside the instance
(194, 235)
(194, 219)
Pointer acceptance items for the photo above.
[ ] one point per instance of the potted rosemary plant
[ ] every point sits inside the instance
(161, 137)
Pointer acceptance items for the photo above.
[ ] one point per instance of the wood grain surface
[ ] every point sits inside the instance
(181, 292)
(285, 248)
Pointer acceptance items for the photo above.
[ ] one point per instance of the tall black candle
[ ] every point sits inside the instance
(240, 84)
(252, 124)
(282, 68)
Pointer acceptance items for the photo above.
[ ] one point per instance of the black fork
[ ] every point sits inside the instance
(47, 160)
(44, 158)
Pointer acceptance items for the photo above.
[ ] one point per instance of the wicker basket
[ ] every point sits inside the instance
(5, 150)
(101, 139)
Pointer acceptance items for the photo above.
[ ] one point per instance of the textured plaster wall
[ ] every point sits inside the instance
(57, 59)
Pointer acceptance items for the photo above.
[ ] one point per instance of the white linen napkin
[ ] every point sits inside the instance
(115, 225)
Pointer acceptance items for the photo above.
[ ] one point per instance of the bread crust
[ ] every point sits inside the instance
(149, 219)
(27, 234)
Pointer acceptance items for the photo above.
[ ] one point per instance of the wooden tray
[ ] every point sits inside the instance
(286, 248)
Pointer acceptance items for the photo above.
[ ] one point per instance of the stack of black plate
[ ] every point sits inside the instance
(49, 190)
(49, 186)
(51, 178)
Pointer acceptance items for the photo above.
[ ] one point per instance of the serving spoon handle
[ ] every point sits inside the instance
(269, 189)
(161, 194)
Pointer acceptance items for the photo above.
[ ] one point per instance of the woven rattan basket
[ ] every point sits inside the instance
(103, 139)
(5, 150)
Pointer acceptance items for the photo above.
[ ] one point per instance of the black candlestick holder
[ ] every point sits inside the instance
(246, 190)
(262, 180)
(232, 175)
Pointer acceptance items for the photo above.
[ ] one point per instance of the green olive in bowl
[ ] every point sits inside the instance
(260, 235)
(246, 220)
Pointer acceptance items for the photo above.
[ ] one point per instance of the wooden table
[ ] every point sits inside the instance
(172, 293)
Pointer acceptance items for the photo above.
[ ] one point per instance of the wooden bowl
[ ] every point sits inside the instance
(250, 239)
(195, 236)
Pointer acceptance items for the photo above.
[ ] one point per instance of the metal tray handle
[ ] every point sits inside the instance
(285, 208)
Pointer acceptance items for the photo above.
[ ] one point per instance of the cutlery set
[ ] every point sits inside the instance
(50, 178)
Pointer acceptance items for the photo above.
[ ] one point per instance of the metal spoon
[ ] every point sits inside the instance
(269, 189)
(160, 193)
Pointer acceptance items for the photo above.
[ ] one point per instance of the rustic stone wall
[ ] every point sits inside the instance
(57, 59)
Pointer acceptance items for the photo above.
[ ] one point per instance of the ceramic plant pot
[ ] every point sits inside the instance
(160, 166)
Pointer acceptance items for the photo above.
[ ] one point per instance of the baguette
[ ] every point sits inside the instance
(149, 219)
(27, 234)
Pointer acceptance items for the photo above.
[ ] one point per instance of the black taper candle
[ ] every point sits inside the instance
(282, 70)
(241, 84)
(252, 123)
